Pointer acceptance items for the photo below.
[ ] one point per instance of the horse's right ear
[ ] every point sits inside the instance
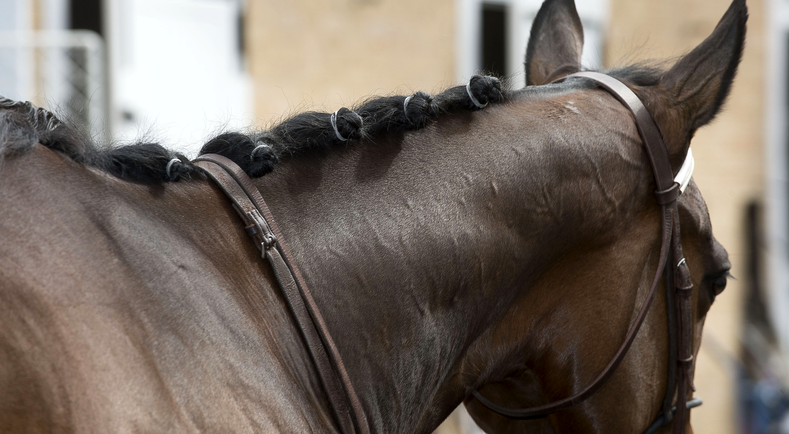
(700, 81)
(555, 43)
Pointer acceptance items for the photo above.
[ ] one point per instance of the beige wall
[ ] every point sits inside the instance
(729, 167)
(324, 55)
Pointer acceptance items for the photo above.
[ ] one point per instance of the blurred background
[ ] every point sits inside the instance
(180, 71)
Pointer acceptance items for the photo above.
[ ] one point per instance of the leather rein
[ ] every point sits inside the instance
(260, 225)
(671, 265)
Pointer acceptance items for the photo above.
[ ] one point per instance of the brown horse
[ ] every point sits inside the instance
(503, 250)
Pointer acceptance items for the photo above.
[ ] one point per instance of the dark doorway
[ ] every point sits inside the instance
(83, 15)
(494, 39)
(786, 109)
(86, 15)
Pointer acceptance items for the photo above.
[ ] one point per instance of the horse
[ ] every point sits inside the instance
(477, 242)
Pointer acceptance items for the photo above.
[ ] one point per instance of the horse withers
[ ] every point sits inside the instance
(478, 240)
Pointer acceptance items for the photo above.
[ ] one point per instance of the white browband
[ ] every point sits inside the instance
(685, 172)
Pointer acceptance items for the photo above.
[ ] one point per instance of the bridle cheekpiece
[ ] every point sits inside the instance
(671, 265)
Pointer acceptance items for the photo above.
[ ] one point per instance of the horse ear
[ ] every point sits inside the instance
(555, 43)
(700, 81)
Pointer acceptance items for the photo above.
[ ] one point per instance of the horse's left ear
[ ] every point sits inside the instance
(555, 43)
(700, 81)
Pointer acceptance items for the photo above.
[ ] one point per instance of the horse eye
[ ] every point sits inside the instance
(719, 284)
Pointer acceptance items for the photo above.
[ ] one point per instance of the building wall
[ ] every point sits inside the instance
(326, 55)
(729, 168)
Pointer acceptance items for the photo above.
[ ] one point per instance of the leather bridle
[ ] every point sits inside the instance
(260, 225)
(671, 265)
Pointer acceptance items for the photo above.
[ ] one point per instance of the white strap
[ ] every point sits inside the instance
(685, 172)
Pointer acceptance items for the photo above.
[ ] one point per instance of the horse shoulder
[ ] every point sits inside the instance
(123, 307)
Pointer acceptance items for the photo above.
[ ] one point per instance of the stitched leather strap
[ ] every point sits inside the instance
(260, 225)
(683, 290)
(647, 128)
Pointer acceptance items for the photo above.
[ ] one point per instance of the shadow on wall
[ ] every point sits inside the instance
(763, 393)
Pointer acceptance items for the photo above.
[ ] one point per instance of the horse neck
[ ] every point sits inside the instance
(414, 246)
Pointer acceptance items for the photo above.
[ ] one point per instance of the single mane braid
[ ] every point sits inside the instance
(22, 125)
(41, 120)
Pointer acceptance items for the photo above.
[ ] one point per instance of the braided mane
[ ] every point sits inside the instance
(22, 125)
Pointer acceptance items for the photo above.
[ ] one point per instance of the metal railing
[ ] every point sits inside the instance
(63, 71)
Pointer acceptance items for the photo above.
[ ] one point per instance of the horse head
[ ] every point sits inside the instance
(560, 333)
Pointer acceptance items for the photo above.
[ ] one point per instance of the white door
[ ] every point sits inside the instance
(14, 59)
(177, 71)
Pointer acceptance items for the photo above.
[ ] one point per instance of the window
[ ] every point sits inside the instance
(177, 69)
(86, 15)
(492, 36)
